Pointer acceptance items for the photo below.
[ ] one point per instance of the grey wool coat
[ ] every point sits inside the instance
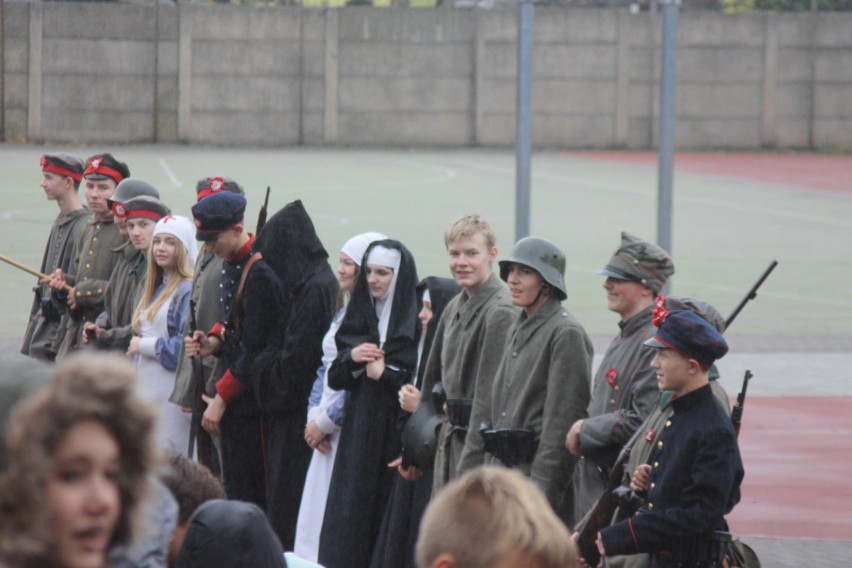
(123, 292)
(41, 337)
(624, 394)
(96, 259)
(467, 348)
(542, 384)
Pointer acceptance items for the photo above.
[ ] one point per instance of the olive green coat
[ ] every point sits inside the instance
(125, 288)
(542, 384)
(468, 345)
(96, 259)
(624, 394)
(40, 338)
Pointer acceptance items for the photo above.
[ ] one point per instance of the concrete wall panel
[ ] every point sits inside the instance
(244, 128)
(16, 56)
(414, 95)
(95, 93)
(364, 76)
(15, 90)
(718, 100)
(104, 126)
(385, 59)
(246, 94)
(72, 20)
(245, 57)
(98, 57)
(446, 129)
(720, 64)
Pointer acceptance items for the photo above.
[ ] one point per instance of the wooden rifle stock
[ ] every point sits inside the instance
(601, 514)
(198, 437)
(737, 411)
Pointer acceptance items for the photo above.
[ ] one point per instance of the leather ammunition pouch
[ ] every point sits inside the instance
(458, 411)
(512, 446)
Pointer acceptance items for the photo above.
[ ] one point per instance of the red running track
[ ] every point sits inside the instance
(797, 453)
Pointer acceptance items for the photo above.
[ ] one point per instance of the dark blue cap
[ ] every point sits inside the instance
(217, 213)
(691, 336)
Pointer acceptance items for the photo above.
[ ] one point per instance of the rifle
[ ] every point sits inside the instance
(737, 411)
(752, 293)
(26, 268)
(261, 216)
(198, 437)
(601, 514)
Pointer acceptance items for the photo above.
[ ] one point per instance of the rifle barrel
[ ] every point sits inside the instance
(752, 293)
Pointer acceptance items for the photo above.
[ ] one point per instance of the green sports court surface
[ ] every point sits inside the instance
(733, 214)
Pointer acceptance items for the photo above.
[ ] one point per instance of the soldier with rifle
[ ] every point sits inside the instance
(618, 498)
(624, 392)
(198, 375)
(693, 475)
(61, 176)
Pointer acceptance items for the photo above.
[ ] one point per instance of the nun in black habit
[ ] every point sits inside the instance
(410, 495)
(377, 354)
(286, 372)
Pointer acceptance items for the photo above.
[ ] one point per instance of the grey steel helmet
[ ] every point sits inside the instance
(129, 188)
(541, 255)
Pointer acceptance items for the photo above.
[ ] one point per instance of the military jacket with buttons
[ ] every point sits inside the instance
(96, 259)
(468, 346)
(624, 394)
(123, 292)
(696, 472)
(208, 311)
(542, 384)
(642, 449)
(40, 339)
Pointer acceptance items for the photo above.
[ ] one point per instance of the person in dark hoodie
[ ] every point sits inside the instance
(412, 488)
(231, 534)
(285, 371)
(376, 356)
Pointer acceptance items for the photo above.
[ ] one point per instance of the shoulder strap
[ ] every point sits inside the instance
(236, 312)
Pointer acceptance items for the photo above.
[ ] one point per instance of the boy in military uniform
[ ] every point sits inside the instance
(542, 382)
(693, 475)
(208, 310)
(624, 392)
(252, 300)
(61, 176)
(95, 247)
(136, 207)
(644, 443)
(468, 341)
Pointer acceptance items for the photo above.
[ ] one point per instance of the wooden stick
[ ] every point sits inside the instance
(26, 268)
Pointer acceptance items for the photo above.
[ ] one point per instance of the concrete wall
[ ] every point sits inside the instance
(238, 75)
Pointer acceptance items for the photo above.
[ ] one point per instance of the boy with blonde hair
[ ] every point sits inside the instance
(469, 340)
(493, 517)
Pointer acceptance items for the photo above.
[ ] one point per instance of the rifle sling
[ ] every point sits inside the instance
(235, 313)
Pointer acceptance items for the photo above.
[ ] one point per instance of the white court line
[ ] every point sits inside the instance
(651, 193)
(175, 181)
(446, 174)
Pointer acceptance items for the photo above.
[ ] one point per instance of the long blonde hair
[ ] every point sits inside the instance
(151, 302)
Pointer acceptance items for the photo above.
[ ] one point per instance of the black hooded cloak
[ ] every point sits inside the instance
(286, 372)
